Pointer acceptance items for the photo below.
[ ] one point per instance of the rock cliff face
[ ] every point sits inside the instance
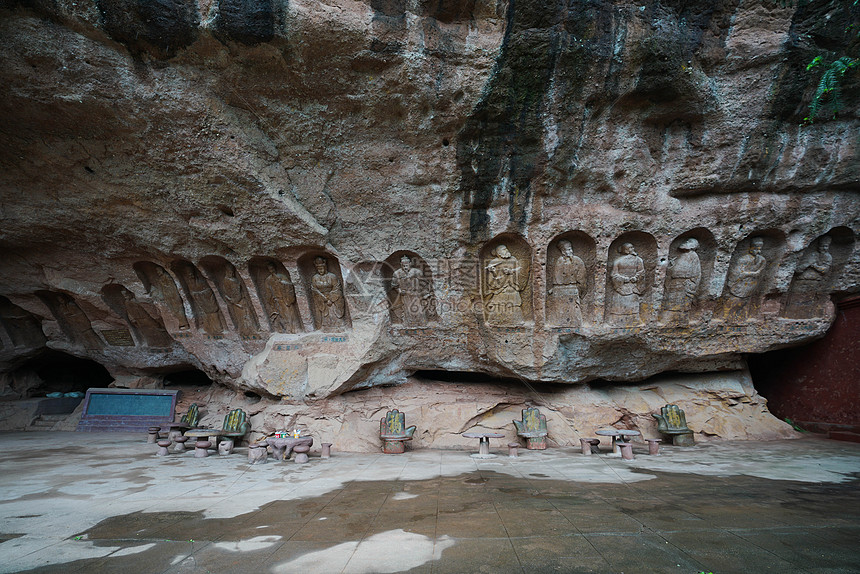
(306, 198)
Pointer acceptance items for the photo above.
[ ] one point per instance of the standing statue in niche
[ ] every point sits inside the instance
(807, 291)
(75, 323)
(414, 296)
(682, 282)
(504, 301)
(627, 279)
(327, 292)
(743, 279)
(164, 289)
(239, 303)
(205, 303)
(564, 306)
(281, 301)
(150, 329)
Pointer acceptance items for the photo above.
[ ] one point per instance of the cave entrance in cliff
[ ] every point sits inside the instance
(467, 377)
(57, 372)
(532, 390)
(189, 377)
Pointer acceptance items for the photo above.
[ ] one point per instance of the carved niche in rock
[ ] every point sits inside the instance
(147, 329)
(506, 291)
(749, 275)
(277, 294)
(409, 282)
(691, 259)
(321, 273)
(629, 278)
(159, 284)
(207, 313)
(366, 288)
(570, 279)
(23, 328)
(72, 319)
(818, 265)
(233, 291)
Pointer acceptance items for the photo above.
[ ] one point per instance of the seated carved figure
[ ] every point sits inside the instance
(394, 432)
(533, 429)
(673, 422)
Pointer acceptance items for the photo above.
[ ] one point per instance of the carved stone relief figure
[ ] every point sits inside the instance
(808, 288)
(329, 307)
(682, 282)
(567, 285)
(413, 293)
(143, 324)
(238, 302)
(74, 322)
(164, 289)
(280, 301)
(503, 300)
(626, 279)
(203, 300)
(743, 279)
(23, 328)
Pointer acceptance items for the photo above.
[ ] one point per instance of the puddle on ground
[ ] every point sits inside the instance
(285, 534)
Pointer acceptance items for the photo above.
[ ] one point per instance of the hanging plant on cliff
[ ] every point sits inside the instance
(828, 94)
(833, 66)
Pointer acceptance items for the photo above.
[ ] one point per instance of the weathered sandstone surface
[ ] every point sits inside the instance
(233, 186)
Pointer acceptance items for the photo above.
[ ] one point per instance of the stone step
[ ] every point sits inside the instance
(54, 418)
(45, 422)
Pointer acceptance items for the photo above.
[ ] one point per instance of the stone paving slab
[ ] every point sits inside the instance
(106, 503)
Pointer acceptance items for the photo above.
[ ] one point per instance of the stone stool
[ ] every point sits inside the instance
(653, 445)
(258, 453)
(225, 446)
(301, 451)
(163, 443)
(326, 450)
(512, 449)
(153, 435)
(589, 445)
(626, 450)
(180, 443)
(201, 448)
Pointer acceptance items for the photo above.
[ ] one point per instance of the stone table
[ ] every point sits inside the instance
(282, 447)
(484, 445)
(617, 435)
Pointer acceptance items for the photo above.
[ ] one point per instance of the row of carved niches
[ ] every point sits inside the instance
(630, 271)
(321, 277)
(22, 327)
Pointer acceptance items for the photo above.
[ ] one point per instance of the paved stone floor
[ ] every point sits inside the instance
(77, 502)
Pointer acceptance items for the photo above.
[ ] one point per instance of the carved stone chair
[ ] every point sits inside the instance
(192, 417)
(189, 420)
(672, 421)
(533, 429)
(394, 432)
(235, 426)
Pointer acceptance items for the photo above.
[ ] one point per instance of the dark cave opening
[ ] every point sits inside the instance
(57, 372)
(187, 378)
